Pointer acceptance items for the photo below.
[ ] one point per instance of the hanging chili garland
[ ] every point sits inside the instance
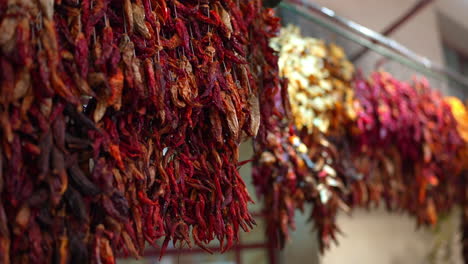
(408, 140)
(277, 166)
(121, 123)
(299, 164)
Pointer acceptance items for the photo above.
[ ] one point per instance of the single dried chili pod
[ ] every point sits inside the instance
(128, 14)
(139, 20)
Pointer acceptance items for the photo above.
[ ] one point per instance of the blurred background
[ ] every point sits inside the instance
(434, 29)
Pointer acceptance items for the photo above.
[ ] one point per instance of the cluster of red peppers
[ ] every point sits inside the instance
(121, 123)
(408, 145)
(359, 143)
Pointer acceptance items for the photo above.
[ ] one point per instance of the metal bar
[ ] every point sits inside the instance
(464, 217)
(272, 253)
(238, 256)
(259, 214)
(237, 252)
(191, 251)
(416, 8)
(368, 36)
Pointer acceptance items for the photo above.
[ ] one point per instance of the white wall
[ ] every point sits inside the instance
(455, 9)
(391, 238)
(453, 22)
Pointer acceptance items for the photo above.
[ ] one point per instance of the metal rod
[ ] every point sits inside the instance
(272, 253)
(237, 253)
(191, 251)
(464, 217)
(382, 45)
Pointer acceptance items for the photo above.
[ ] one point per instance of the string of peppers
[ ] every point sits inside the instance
(121, 123)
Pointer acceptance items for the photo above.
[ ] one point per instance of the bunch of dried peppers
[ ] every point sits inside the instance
(121, 122)
(319, 81)
(407, 143)
(277, 166)
(299, 162)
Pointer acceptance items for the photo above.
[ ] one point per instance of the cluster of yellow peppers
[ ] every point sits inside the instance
(319, 81)
(460, 112)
